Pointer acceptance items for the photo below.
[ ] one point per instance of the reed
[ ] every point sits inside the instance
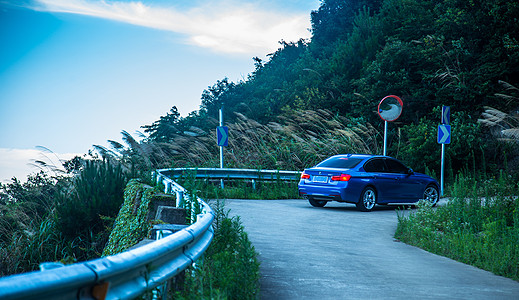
(294, 142)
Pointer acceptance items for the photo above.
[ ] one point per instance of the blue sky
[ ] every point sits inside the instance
(74, 73)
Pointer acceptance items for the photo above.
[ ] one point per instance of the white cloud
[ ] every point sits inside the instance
(20, 162)
(225, 26)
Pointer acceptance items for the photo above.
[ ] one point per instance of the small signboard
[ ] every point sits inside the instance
(444, 134)
(222, 136)
(446, 115)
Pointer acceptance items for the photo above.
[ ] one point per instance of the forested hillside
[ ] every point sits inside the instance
(458, 53)
(428, 52)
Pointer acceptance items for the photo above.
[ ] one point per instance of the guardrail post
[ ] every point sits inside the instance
(253, 184)
(180, 198)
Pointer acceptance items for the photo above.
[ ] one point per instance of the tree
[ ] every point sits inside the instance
(163, 129)
(334, 20)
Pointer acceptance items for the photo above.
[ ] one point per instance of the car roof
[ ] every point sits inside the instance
(362, 156)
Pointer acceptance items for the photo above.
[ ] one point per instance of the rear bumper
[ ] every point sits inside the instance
(320, 193)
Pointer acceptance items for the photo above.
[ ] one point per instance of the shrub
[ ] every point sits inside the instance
(421, 150)
(481, 231)
(131, 224)
(229, 269)
(28, 234)
(85, 212)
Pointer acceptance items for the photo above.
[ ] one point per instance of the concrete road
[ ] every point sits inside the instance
(337, 252)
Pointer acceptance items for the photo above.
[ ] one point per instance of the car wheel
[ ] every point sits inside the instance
(367, 200)
(431, 194)
(317, 203)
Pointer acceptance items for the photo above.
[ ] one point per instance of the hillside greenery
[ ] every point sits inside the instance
(462, 54)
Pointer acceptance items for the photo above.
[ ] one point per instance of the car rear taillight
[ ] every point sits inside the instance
(305, 176)
(342, 177)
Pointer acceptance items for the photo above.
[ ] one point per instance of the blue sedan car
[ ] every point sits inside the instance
(365, 180)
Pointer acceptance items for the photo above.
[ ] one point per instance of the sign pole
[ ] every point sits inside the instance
(444, 137)
(442, 169)
(221, 147)
(385, 138)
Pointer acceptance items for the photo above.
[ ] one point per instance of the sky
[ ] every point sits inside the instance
(75, 73)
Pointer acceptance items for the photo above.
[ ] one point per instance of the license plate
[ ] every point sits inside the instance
(323, 179)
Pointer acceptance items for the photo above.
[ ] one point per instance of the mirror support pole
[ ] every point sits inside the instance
(385, 138)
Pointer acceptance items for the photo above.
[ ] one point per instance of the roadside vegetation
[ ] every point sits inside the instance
(238, 189)
(478, 226)
(59, 218)
(480, 223)
(229, 269)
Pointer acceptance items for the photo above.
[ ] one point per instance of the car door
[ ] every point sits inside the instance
(406, 187)
(380, 178)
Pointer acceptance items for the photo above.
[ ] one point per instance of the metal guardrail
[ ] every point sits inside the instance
(217, 173)
(122, 276)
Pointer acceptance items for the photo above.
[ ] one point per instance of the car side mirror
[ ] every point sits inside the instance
(410, 171)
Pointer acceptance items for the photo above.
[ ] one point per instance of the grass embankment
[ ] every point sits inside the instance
(479, 226)
(230, 269)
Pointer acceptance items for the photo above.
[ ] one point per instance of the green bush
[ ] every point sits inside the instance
(131, 224)
(479, 225)
(28, 234)
(229, 269)
(85, 212)
(239, 189)
(421, 151)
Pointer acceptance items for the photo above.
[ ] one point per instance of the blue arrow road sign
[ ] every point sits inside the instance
(222, 135)
(444, 134)
(446, 115)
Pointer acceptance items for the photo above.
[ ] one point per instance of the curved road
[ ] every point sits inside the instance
(337, 252)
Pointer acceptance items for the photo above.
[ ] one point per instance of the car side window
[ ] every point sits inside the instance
(395, 166)
(375, 165)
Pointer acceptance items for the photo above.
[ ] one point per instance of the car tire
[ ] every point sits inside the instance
(368, 199)
(431, 194)
(317, 203)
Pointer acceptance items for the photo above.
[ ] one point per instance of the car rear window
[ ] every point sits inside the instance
(340, 162)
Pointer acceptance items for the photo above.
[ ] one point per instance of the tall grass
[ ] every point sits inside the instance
(58, 219)
(479, 225)
(298, 140)
(294, 142)
(229, 269)
(28, 232)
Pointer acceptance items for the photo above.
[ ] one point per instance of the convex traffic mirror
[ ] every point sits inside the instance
(390, 108)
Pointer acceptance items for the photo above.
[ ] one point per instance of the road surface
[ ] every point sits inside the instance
(337, 252)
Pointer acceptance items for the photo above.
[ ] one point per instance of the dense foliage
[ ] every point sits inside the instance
(58, 218)
(86, 211)
(132, 224)
(230, 268)
(27, 235)
(479, 226)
